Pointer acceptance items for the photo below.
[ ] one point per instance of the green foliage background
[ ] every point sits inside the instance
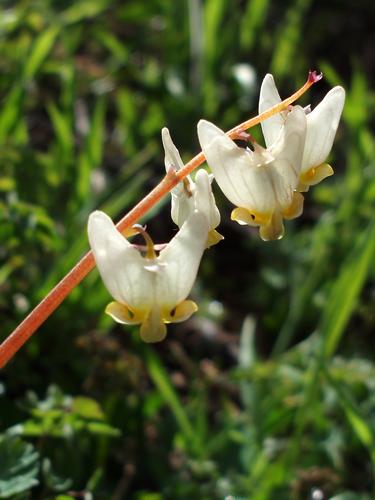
(268, 392)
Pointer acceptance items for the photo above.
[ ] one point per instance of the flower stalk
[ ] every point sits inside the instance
(56, 296)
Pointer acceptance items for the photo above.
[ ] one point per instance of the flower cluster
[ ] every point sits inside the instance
(264, 183)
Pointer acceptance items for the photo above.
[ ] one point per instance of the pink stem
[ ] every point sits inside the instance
(54, 298)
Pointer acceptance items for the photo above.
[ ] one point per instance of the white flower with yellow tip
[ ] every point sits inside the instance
(262, 182)
(148, 290)
(322, 125)
(191, 195)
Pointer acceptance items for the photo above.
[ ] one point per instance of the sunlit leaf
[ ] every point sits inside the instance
(18, 466)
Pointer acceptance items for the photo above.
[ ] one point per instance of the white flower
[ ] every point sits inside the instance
(322, 125)
(262, 182)
(150, 290)
(190, 195)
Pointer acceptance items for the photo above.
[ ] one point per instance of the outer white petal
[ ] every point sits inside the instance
(120, 265)
(204, 200)
(239, 172)
(288, 151)
(181, 204)
(269, 97)
(322, 125)
(172, 156)
(172, 159)
(181, 260)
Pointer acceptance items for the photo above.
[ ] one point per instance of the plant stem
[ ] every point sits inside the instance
(56, 296)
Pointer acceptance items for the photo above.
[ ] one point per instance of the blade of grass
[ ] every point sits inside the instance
(252, 22)
(91, 156)
(357, 422)
(84, 9)
(344, 294)
(63, 129)
(289, 39)
(161, 379)
(341, 304)
(39, 51)
(11, 111)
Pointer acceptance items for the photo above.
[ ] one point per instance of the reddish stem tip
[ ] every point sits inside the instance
(314, 76)
(243, 135)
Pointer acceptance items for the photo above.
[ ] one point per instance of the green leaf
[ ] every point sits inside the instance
(91, 156)
(10, 112)
(162, 381)
(357, 422)
(252, 21)
(39, 51)
(54, 482)
(84, 9)
(62, 127)
(87, 408)
(345, 291)
(214, 17)
(18, 466)
(102, 429)
(287, 43)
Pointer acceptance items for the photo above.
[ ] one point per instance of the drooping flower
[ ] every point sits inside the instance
(148, 290)
(191, 195)
(321, 129)
(262, 182)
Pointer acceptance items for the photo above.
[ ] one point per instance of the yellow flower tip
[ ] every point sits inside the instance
(213, 238)
(274, 229)
(151, 332)
(314, 175)
(181, 312)
(246, 217)
(270, 224)
(129, 232)
(153, 328)
(295, 209)
(124, 315)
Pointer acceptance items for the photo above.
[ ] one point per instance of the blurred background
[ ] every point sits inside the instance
(268, 391)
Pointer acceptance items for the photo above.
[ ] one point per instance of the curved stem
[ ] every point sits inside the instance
(56, 296)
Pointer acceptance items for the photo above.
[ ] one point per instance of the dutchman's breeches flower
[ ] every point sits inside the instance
(262, 183)
(322, 125)
(148, 290)
(191, 195)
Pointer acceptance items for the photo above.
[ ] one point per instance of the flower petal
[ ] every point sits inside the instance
(181, 312)
(172, 156)
(274, 230)
(182, 203)
(204, 198)
(120, 265)
(322, 125)
(244, 217)
(122, 314)
(181, 259)
(153, 328)
(241, 174)
(269, 97)
(288, 151)
(295, 209)
(314, 175)
(213, 238)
